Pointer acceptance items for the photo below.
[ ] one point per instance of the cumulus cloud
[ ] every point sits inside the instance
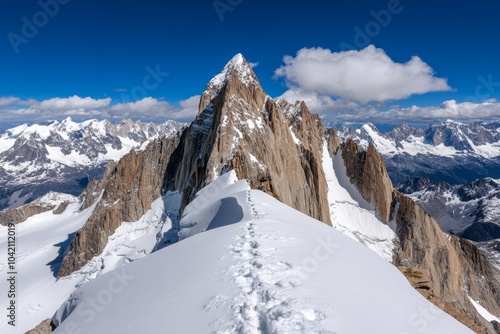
(367, 75)
(72, 103)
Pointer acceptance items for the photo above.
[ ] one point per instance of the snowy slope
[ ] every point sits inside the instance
(41, 241)
(258, 267)
(351, 214)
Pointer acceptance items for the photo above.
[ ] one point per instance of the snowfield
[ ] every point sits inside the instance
(41, 240)
(250, 264)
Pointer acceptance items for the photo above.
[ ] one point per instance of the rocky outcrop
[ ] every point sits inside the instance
(20, 214)
(45, 327)
(366, 170)
(333, 141)
(127, 191)
(275, 145)
(445, 269)
(57, 202)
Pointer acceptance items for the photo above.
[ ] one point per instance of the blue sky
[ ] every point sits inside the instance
(87, 56)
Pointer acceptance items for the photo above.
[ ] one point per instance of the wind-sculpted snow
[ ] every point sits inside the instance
(269, 269)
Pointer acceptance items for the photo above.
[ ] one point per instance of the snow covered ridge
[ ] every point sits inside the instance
(264, 268)
(63, 156)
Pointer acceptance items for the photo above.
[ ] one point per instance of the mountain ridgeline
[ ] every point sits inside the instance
(447, 151)
(277, 147)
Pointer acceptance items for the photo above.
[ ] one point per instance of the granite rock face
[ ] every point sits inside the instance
(366, 170)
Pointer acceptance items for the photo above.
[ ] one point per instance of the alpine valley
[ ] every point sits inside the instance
(254, 218)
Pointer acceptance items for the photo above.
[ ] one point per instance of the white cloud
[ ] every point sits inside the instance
(151, 108)
(451, 109)
(76, 103)
(367, 75)
(188, 108)
(5, 101)
(253, 65)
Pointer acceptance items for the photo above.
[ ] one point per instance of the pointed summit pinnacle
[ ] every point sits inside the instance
(237, 66)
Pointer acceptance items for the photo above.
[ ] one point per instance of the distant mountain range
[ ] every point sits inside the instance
(64, 156)
(446, 151)
(471, 210)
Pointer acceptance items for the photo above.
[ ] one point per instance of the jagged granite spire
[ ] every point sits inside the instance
(273, 144)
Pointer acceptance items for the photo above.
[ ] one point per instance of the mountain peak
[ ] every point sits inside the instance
(238, 67)
(238, 59)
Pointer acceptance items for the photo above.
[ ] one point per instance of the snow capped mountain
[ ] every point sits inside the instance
(232, 225)
(446, 151)
(471, 211)
(64, 156)
(258, 267)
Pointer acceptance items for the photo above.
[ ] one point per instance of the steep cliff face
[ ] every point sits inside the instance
(273, 144)
(445, 269)
(367, 172)
(128, 189)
